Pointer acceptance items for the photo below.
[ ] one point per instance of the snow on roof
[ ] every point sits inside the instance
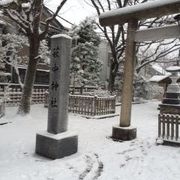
(4, 2)
(159, 69)
(158, 78)
(61, 35)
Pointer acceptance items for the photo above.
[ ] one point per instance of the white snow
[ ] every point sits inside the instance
(4, 2)
(98, 156)
(26, 5)
(173, 68)
(61, 35)
(138, 7)
(2, 22)
(159, 69)
(157, 78)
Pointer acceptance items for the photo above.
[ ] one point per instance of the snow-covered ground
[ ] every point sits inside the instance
(98, 156)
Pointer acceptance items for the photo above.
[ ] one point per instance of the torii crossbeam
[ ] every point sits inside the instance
(131, 15)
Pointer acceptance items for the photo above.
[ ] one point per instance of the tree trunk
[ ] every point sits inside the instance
(111, 81)
(24, 107)
(113, 73)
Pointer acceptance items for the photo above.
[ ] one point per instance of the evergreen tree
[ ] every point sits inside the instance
(85, 67)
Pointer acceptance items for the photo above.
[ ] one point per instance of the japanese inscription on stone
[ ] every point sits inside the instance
(55, 73)
(59, 83)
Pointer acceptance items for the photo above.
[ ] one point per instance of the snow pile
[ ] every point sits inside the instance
(98, 156)
(26, 5)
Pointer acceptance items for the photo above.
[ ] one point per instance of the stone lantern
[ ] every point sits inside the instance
(171, 101)
(169, 116)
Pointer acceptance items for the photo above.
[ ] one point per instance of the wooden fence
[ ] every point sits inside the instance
(80, 104)
(92, 105)
(12, 94)
(168, 127)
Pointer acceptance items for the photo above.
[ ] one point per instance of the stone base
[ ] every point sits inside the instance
(56, 146)
(123, 133)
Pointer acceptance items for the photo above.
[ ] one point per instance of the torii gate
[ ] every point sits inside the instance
(131, 15)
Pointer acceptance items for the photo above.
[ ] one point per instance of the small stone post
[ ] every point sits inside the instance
(124, 131)
(57, 142)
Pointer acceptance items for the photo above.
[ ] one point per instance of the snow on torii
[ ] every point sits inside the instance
(131, 15)
(140, 11)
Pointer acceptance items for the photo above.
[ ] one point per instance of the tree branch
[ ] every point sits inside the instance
(49, 20)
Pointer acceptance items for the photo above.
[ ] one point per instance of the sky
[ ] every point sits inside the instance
(73, 10)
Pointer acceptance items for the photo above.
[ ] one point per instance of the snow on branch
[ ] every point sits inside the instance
(5, 2)
(17, 18)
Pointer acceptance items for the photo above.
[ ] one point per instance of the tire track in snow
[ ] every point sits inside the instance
(133, 159)
(93, 169)
(99, 169)
(89, 163)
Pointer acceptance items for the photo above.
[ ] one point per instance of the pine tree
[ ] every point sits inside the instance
(85, 67)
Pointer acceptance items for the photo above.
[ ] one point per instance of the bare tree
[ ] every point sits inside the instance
(27, 15)
(116, 36)
(155, 51)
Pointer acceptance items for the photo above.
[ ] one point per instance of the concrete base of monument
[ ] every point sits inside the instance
(56, 146)
(124, 133)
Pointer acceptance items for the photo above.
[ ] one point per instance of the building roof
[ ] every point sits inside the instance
(158, 78)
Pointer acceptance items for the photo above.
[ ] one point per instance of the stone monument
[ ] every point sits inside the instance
(57, 142)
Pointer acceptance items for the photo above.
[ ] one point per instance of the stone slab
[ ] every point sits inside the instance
(170, 108)
(124, 133)
(167, 142)
(55, 146)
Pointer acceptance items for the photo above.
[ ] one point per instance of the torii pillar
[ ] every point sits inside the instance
(131, 15)
(124, 131)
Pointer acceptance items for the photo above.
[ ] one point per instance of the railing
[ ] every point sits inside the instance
(168, 127)
(91, 105)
